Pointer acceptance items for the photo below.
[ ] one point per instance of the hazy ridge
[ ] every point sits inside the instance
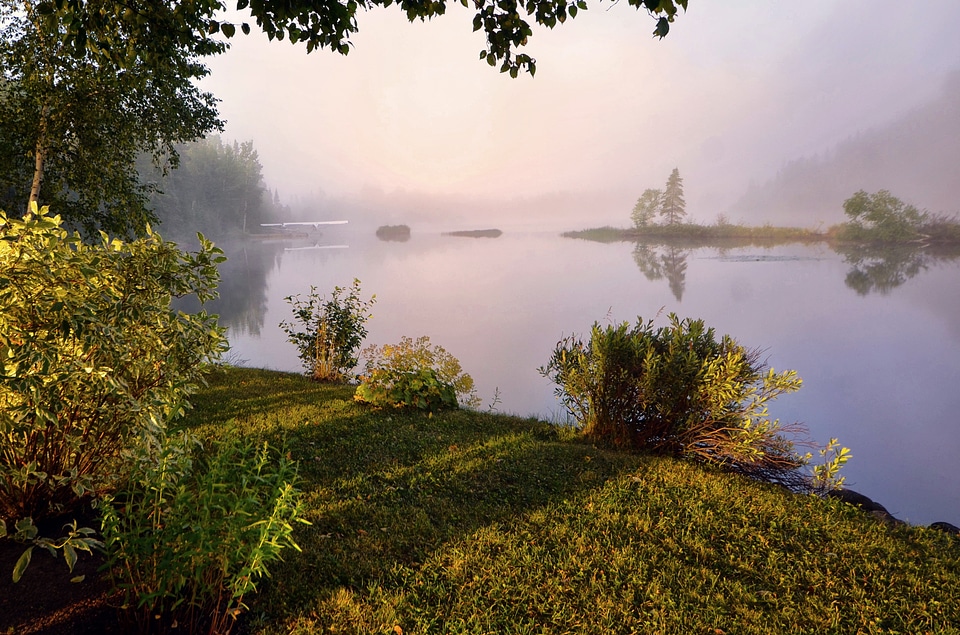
(915, 156)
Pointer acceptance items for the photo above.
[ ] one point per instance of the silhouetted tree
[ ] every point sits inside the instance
(674, 208)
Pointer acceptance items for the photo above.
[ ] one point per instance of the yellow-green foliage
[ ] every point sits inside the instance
(90, 352)
(414, 373)
(195, 527)
(880, 217)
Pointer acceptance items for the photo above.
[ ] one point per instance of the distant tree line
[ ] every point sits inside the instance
(218, 189)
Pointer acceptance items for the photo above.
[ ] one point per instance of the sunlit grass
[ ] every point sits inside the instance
(468, 522)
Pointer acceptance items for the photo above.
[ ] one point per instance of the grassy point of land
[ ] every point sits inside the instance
(470, 522)
(688, 234)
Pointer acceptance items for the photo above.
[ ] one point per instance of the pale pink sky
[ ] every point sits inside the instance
(737, 89)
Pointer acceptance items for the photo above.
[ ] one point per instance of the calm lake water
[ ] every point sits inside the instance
(876, 341)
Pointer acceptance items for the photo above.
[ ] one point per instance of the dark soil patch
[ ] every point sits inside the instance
(46, 602)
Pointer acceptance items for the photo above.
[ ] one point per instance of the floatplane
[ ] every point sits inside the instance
(293, 225)
(304, 223)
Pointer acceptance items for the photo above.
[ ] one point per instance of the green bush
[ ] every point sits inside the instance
(414, 374)
(330, 331)
(194, 529)
(90, 353)
(677, 390)
(880, 217)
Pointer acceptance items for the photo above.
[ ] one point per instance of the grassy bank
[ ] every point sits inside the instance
(692, 234)
(468, 522)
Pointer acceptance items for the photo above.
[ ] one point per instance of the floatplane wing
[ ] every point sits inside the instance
(314, 223)
(312, 247)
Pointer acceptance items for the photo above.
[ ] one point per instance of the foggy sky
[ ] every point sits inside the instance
(412, 119)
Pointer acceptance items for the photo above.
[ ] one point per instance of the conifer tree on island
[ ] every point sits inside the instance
(674, 207)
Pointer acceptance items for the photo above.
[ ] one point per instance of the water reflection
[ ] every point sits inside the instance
(663, 261)
(881, 269)
(242, 302)
(873, 268)
(500, 306)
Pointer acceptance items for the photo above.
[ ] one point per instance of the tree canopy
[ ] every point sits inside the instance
(87, 86)
(647, 207)
(147, 30)
(72, 127)
(668, 203)
(217, 189)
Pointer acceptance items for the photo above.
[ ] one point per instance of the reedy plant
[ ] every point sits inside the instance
(328, 333)
(195, 529)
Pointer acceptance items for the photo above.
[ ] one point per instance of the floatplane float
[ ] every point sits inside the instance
(304, 223)
(316, 246)
(292, 225)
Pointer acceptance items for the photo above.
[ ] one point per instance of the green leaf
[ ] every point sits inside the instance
(22, 564)
(663, 27)
(70, 555)
(245, 28)
(228, 29)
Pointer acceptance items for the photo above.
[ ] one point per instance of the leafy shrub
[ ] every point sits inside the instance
(331, 330)
(90, 352)
(677, 390)
(880, 217)
(193, 531)
(414, 374)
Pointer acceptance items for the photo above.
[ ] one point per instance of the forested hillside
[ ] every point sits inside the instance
(915, 156)
(218, 189)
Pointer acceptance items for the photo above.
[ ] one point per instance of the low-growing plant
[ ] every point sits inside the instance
(414, 373)
(195, 528)
(90, 351)
(826, 475)
(328, 333)
(679, 390)
(74, 539)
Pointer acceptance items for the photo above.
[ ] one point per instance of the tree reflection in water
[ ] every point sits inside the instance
(882, 268)
(657, 261)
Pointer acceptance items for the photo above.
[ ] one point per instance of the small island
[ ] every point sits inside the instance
(877, 219)
(476, 233)
(396, 233)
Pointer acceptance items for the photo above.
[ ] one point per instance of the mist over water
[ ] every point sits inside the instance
(772, 112)
(878, 359)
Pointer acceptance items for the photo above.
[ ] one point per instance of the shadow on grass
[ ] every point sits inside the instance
(386, 489)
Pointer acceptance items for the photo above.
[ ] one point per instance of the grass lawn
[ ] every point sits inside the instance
(469, 522)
